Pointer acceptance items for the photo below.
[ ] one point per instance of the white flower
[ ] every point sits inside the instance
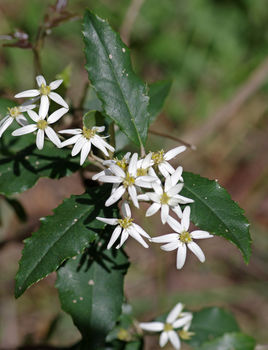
(42, 127)
(175, 319)
(144, 168)
(45, 92)
(84, 139)
(128, 179)
(167, 197)
(161, 159)
(125, 227)
(182, 238)
(14, 113)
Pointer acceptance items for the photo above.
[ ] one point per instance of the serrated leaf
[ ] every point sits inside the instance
(213, 210)
(211, 323)
(122, 93)
(91, 291)
(61, 236)
(233, 341)
(158, 92)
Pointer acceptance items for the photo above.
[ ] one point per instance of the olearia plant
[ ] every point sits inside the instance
(84, 240)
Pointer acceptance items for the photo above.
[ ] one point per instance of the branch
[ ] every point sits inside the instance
(129, 20)
(193, 147)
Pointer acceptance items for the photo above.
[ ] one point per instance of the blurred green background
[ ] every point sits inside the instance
(212, 50)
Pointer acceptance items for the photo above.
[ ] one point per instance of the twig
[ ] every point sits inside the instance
(228, 110)
(129, 20)
(193, 147)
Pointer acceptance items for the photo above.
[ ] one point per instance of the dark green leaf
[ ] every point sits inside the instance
(213, 210)
(123, 95)
(61, 236)
(91, 291)
(232, 341)
(158, 92)
(211, 323)
(17, 207)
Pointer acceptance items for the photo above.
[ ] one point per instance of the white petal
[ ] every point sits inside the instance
(175, 189)
(99, 144)
(166, 238)
(147, 178)
(174, 224)
(143, 184)
(33, 115)
(174, 313)
(140, 230)
(181, 255)
(58, 99)
(197, 251)
(174, 339)
(5, 125)
(174, 152)
(164, 213)
(28, 93)
(117, 170)
(170, 246)
(55, 84)
(126, 209)
(198, 234)
(185, 221)
(107, 221)
(54, 117)
(117, 194)
(24, 108)
(71, 140)
(154, 197)
(133, 195)
(124, 237)
(4, 119)
(78, 145)
(182, 199)
(99, 128)
(44, 106)
(52, 136)
(71, 131)
(168, 183)
(25, 130)
(163, 170)
(110, 179)
(22, 120)
(132, 168)
(153, 209)
(133, 233)
(163, 339)
(40, 139)
(147, 161)
(84, 152)
(116, 233)
(104, 143)
(182, 321)
(40, 80)
(176, 176)
(143, 197)
(178, 211)
(152, 326)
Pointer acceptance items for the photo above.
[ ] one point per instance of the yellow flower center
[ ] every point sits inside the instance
(129, 180)
(168, 327)
(122, 163)
(125, 223)
(158, 157)
(185, 335)
(142, 172)
(164, 198)
(185, 237)
(44, 89)
(42, 124)
(88, 133)
(123, 335)
(14, 112)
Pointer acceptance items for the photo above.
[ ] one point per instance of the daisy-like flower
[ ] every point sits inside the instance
(125, 227)
(42, 127)
(83, 139)
(182, 239)
(160, 159)
(125, 180)
(175, 319)
(14, 113)
(45, 92)
(167, 197)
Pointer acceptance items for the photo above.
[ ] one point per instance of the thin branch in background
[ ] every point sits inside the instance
(228, 110)
(130, 19)
(193, 147)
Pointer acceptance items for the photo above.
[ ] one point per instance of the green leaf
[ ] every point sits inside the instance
(211, 323)
(61, 236)
(158, 92)
(4, 104)
(232, 341)
(213, 210)
(123, 94)
(89, 119)
(91, 291)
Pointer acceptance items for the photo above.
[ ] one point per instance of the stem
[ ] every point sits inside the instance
(193, 147)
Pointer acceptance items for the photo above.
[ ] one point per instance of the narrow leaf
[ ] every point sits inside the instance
(158, 92)
(61, 236)
(91, 291)
(233, 341)
(123, 94)
(213, 210)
